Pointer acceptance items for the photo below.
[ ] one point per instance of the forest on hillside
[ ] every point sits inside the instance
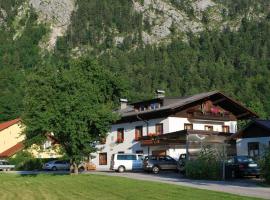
(235, 62)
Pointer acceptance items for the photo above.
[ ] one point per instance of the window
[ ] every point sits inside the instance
(138, 132)
(142, 108)
(168, 158)
(154, 106)
(188, 126)
(126, 157)
(226, 129)
(253, 149)
(103, 159)
(139, 152)
(120, 135)
(159, 153)
(159, 129)
(102, 140)
(121, 152)
(208, 128)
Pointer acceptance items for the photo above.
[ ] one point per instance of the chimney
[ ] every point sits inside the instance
(123, 103)
(160, 93)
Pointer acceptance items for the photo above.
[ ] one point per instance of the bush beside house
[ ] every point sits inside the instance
(264, 163)
(208, 165)
(25, 161)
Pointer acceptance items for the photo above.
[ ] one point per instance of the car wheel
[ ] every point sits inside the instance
(155, 169)
(233, 174)
(121, 169)
(81, 169)
(54, 168)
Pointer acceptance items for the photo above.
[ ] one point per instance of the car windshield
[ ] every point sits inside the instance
(244, 159)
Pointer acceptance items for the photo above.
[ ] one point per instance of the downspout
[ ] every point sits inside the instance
(147, 129)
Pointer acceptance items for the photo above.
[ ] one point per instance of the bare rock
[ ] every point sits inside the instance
(55, 12)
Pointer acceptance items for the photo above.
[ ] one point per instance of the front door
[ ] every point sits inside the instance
(103, 159)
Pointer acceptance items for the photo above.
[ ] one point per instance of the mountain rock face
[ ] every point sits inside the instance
(57, 14)
(162, 19)
(3, 16)
(181, 46)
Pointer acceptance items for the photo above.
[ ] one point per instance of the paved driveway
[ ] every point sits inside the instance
(244, 187)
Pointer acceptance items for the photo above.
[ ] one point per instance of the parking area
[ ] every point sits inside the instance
(244, 187)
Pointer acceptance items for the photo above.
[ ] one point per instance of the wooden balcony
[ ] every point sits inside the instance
(210, 116)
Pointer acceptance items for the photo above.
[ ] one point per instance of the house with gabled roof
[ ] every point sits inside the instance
(253, 138)
(12, 142)
(172, 125)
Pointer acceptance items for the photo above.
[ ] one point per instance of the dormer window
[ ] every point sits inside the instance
(154, 106)
(142, 108)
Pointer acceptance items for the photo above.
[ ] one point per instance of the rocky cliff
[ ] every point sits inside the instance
(161, 19)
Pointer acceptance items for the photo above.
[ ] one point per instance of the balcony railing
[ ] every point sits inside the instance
(210, 115)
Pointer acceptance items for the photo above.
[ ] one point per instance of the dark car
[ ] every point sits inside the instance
(181, 163)
(157, 163)
(243, 166)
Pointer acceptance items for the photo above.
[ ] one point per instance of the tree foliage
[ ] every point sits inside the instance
(74, 103)
(265, 165)
(233, 61)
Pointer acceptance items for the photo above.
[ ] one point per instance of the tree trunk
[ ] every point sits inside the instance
(73, 167)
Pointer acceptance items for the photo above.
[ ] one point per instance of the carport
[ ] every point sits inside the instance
(190, 142)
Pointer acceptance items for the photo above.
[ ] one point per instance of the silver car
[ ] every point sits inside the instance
(57, 165)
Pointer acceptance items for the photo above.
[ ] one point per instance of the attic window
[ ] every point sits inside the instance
(142, 108)
(154, 106)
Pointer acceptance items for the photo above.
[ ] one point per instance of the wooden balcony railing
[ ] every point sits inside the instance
(210, 115)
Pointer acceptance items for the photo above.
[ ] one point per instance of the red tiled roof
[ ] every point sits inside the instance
(7, 124)
(11, 151)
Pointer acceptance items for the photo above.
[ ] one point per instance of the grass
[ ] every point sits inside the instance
(97, 187)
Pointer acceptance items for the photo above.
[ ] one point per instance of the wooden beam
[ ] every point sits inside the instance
(242, 115)
(219, 100)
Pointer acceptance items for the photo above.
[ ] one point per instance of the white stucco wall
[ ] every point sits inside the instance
(176, 124)
(242, 144)
(129, 145)
(170, 124)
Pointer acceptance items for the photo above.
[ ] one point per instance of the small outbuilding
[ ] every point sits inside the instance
(253, 138)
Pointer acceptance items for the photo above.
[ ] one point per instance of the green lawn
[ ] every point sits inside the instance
(97, 187)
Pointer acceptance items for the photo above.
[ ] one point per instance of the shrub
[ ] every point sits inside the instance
(264, 163)
(25, 161)
(208, 165)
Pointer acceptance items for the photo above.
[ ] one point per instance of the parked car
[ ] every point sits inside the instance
(5, 166)
(156, 163)
(55, 165)
(126, 162)
(181, 163)
(243, 166)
